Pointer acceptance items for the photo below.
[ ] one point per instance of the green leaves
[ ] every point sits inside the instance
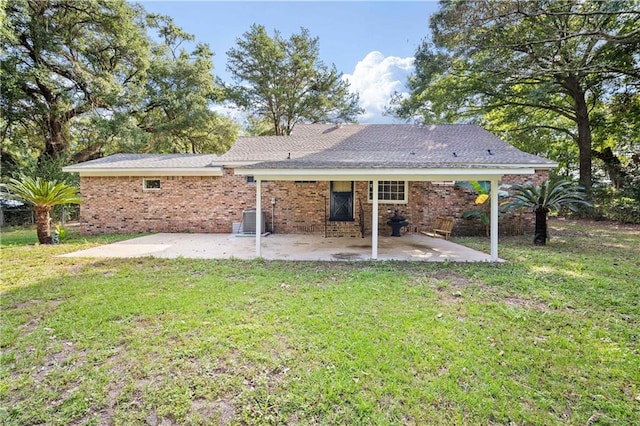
(44, 193)
(284, 81)
(535, 70)
(82, 79)
(550, 196)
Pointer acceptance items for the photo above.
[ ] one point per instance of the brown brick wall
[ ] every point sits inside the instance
(213, 204)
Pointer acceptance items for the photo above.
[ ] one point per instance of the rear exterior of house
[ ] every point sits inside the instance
(205, 193)
(212, 204)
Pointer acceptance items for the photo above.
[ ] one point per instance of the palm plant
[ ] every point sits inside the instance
(548, 197)
(44, 195)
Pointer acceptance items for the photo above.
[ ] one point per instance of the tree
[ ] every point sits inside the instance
(44, 195)
(548, 197)
(285, 82)
(179, 91)
(535, 64)
(65, 60)
(82, 78)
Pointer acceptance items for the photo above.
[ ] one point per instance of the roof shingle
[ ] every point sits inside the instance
(380, 145)
(361, 146)
(150, 161)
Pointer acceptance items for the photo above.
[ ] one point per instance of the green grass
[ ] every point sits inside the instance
(549, 337)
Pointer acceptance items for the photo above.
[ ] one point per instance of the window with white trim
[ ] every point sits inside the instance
(151, 184)
(390, 192)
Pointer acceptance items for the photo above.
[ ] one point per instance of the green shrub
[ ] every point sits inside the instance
(62, 233)
(624, 209)
(632, 186)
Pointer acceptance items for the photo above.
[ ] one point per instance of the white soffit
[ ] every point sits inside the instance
(386, 174)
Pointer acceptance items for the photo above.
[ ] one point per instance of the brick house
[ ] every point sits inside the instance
(335, 180)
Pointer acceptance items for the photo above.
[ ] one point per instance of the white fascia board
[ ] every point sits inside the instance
(387, 174)
(233, 164)
(200, 171)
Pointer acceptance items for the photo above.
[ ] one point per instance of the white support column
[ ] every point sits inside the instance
(258, 215)
(494, 220)
(374, 222)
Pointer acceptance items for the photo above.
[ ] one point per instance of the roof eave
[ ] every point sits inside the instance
(468, 173)
(133, 171)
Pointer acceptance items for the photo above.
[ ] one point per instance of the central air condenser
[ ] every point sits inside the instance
(249, 222)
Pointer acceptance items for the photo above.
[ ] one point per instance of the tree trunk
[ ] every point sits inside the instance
(43, 224)
(89, 153)
(55, 143)
(584, 129)
(540, 234)
(612, 165)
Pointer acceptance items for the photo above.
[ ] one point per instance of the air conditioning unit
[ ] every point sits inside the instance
(249, 222)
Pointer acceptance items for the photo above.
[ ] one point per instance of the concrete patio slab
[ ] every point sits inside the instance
(286, 247)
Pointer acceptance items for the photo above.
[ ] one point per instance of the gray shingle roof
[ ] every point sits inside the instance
(380, 146)
(150, 161)
(317, 146)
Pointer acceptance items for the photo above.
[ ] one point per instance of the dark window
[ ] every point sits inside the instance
(341, 201)
(151, 183)
(251, 180)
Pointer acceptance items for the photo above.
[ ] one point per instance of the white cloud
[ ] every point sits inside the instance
(230, 111)
(376, 78)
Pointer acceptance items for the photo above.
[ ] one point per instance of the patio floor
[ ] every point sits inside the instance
(286, 247)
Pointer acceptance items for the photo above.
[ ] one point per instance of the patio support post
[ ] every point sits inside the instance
(494, 220)
(374, 222)
(258, 215)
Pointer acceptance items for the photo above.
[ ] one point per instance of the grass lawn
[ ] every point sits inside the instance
(549, 337)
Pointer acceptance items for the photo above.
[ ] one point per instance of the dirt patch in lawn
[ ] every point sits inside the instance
(52, 361)
(43, 305)
(37, 308)
(452, 287)
(223, 411)
(519, 302)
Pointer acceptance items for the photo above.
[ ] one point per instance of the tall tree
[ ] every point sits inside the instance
(524, 65)
(68, 59)
(285, 82)
(81, 78)
(179, 91)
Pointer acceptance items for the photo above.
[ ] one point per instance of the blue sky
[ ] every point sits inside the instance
(372, 43)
